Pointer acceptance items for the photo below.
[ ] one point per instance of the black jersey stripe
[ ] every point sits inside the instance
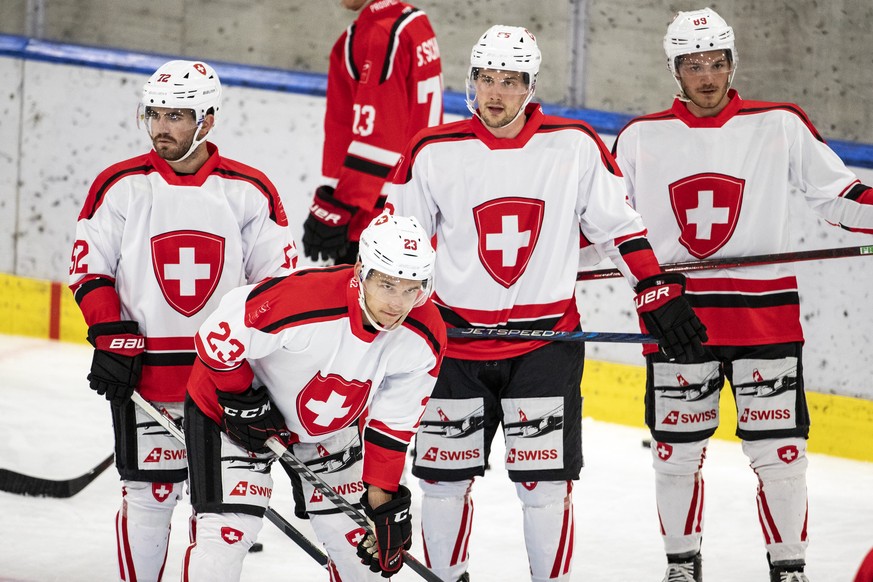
(303, 317)
(169, 358)
(91, 285)
(741, 301)
(356, 75)
(367, 166)
(855, 192)
(258, 183)
(605, 154)
(633, 245)
(456, 136)
(784, 107)
(392, 42)
(431, 338)
(101, 191)
(381, 439)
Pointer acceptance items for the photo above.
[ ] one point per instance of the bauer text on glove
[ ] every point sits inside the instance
(117, 362)
(668, 316)
(326, 229)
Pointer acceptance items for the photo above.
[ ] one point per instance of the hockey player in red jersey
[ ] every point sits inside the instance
(506, 193)
(712, 177)
(303, 357)
(161, 237)
(384, 84)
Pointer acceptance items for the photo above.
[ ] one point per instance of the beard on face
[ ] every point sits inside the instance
(171, 149)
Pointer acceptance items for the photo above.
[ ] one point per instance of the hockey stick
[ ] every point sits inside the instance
(289, 530)
(549, 335)
(21, 484)
(313, 479)
(727, 263)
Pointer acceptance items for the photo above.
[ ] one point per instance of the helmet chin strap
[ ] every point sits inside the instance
(195, 143)
(372, 320)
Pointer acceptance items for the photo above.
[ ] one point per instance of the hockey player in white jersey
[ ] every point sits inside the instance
(302, 358)
(506, 194)
(161, 237)
(712, 177)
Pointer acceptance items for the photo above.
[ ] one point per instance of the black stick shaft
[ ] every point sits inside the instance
(549, 335)
(283, 524)
(288, 457)
(727, 263)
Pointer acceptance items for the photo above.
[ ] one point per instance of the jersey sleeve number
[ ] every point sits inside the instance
(77, 263)
(365, 119)
(214, 337)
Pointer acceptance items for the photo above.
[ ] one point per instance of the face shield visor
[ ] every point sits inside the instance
(387, 300)
(696, 65)
(485, 83)
(154, 119)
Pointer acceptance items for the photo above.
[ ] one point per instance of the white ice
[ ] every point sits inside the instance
(54, 427)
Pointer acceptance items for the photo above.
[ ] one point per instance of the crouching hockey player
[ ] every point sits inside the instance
(303, 358)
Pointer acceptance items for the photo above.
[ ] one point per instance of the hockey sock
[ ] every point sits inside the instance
(142, 528)
(549, 528)
(221, 543)
(446, 522)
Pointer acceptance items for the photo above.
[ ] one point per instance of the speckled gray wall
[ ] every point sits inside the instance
(10, 132)
(806, 51)
(76, 121)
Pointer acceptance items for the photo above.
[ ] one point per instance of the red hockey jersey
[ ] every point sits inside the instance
(302, 336)
(721, 187)
(384, 84)
(161, 249)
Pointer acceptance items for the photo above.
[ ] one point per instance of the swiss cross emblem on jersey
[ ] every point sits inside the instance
(329, 403)
(188, 265)
(707, 208)
(508, 229)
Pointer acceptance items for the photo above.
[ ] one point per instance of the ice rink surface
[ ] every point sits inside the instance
(54, 427)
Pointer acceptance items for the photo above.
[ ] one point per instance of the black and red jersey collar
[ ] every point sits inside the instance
(680, 109)
(196, 179)
(532, 124)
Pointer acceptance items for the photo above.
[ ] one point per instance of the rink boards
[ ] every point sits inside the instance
(841, 426)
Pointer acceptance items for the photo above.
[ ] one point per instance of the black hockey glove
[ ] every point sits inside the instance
(250, 418)
(326, 229)
(668, 316)
(392, 525)
(117, 361)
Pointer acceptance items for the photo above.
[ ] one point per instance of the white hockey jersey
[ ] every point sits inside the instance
(162, 249)
(720, 187)
(302, 336)
(507, 215)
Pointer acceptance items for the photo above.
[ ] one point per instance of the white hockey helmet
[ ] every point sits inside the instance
(698, 31)
(505, 48)
(397, 247)
(183, 85)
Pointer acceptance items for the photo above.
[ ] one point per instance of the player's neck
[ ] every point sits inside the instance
(511, 130)
(192, 163)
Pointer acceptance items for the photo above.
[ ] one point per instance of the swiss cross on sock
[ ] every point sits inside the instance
(355, 536)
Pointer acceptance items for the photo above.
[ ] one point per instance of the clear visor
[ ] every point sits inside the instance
(496, 81)
(395, 294)
(703, 64)
(155, 118)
